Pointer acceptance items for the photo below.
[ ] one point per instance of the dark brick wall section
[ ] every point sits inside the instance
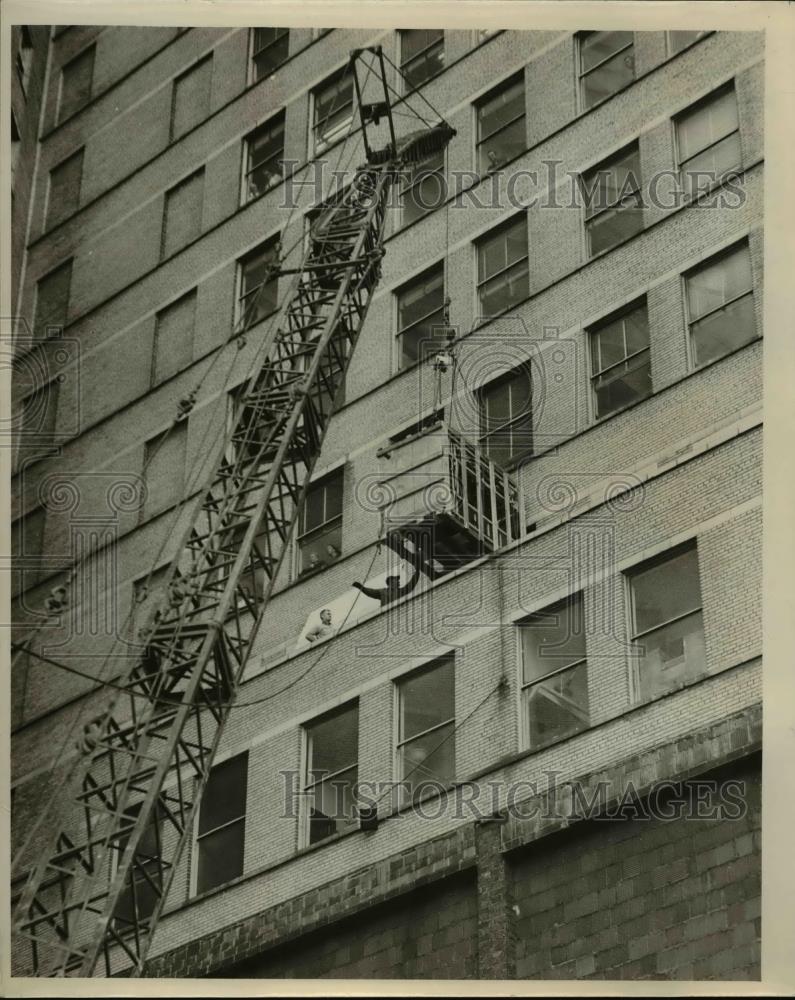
(496, 926)
(427, 934)
(656, 899)
(394, 876)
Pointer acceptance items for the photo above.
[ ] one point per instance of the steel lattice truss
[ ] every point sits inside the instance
(99, 889)
(178, 693)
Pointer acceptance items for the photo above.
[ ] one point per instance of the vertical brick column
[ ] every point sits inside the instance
(496, 950)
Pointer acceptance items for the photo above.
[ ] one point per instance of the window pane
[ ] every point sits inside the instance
(64, 195)
(332, 806)
(333, 743)
(681, 39)
(76, 80)
(422, 55)
(271, 48)
(427, 699)
(164, 457)
(183, 214)
(707, 124)
(174, 337)
(420, 298)
(706, 168)
(503, 146)
(503, 248)
(596, 46)
(623, 385)
(724, 330)
(224, 796)
(719, 282)
(507, 399)
(505, 290)
(143, 898)
(221, 856)
(321, 548)
(558, 706)
(265, 152)
(258, 300)
(666, 590)
(425, 189)
(609, 77)
(613, 227)
(612, 182)
(552, 639)
(192, 97)
(52, 299)
(429, 758)
(500, 110)
(671, 656)
(333, 110)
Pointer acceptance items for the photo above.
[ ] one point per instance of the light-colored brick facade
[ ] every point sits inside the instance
(599, 497)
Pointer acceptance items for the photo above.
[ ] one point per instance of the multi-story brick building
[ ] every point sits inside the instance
(608, 365)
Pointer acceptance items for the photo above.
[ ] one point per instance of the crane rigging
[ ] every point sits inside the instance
(102, 879)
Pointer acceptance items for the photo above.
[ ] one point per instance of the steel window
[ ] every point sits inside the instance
(190, 98)
(667, 624)
(506, 416)
(501, 134)
(269, 49)
(420, 310)
(708, 139)
(333, 110)
(52, 300)
(63, 196)
(678, 40)
(620, 361)
(720, 305)
(221, 835)
(503, 278)
(264, 154)
(331, 773)
(164, 469)
(554, 673)
(607, 63)
(258, 289)
(76, 82)
(320, 539)
(421, 55)
(426, 724)
(613, 203)
(424, 188)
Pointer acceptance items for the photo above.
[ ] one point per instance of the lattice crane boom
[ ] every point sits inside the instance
(101, 882)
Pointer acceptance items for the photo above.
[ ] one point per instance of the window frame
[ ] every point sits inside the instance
(401, 331)
(175, 80)
(505, 225)
(725, 88)
(23, 62)
(146, 513)
(264, 128)
(508, 82)
(418, 176)
(48, 204)
(193, 293)
(409, 88)
(625, 201)
(307, 786)
(301, 534)
(253, 53)
(660, 558)
(710, 261)
(240, 310)
(316, 146)
(59, 116)
(552, 607)
(63, 265)
(484, 435)
(671, 51)
(197, 837)
(167, 194)
(579, 38)
(593, 329)
(398, 742)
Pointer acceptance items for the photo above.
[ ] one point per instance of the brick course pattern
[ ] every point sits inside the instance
(632, 899)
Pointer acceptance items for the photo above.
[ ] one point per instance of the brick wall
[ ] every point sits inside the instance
(427, 934)
(634, 899)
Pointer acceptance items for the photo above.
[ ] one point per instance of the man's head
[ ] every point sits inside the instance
(393, 581)
(325, 616)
